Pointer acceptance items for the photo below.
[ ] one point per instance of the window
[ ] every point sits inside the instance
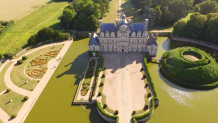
(102, 46)
(151, 48)
(138, 41)
(108, 41)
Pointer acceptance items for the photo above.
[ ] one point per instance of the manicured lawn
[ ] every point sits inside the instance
(131, 12)
(1, 121)
(16, 9)
(19, 79)
(55, 103)
(16, 37)
(113, 12)
(2, 73)
(14, 106)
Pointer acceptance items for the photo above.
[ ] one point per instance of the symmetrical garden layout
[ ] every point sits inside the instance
(120, 87)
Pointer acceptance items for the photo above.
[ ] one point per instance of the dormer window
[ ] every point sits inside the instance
(107, 34)
(112, 34)
(133, 34)
(139, 34)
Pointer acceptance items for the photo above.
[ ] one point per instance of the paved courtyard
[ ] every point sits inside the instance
(124, 86)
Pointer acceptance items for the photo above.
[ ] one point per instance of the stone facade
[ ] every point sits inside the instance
(124, 37)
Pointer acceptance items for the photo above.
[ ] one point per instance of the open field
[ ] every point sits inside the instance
(55, 103)
(113, 12)
(14, 106)
(16, 37)
(2, 73)
(131, 12)
(19, 79)
(17, 9)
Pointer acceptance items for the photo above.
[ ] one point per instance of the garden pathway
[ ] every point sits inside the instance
(33, 95)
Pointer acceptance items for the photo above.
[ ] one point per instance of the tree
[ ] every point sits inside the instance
(166, 17)
(68, 15)
(207, 7)
(32, 40)
(93, 23)
(212, 30)
(196, 25)
(159, 14)
(179, 28)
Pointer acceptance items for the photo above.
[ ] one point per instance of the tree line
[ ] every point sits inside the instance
(84, 14)
(47, 34)
(5, 25)
(203, 24)
(163, 12)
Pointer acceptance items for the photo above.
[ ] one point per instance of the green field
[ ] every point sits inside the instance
(19, 79)
(14, 106)
(16, 37)
(2, 73)
(113, 12)
(55, 103)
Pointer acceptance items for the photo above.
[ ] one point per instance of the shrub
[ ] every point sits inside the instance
(24, 57)
(144, 76)
(104, 68)
(8, 55)
(8, 90)
(101, 84)
(26, 98)
(105, 106)
(99, 93)
(116, 112)
(38, 81)
(146, 107)
(13, 115)
(142, 68)
(103, 76)
(19, 62)
(149, 95)
(133, 112)
(1, 56)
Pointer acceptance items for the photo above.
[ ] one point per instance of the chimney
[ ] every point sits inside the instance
(146, 24)
(90, 34)
(156, 34)
(100, 23)
(129, 23)
(117, 23)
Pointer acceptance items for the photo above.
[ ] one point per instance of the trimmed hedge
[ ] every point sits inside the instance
(24, 57)
(19, 62)
(107, 114)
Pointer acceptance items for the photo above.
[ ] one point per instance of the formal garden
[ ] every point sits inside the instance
(33, 66)
(37, 67)
(199, 69)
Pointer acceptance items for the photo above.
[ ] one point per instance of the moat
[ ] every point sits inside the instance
(177, 104)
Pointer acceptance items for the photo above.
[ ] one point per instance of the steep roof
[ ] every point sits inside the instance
(93, 41)
(138, 26)
(110, 27)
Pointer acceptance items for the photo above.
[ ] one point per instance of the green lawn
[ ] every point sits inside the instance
(2, 73)
(55, 103)
(1, 121)
(113, 14)
(14, 106)
(16, 37)
(131, 12)
(19, 79)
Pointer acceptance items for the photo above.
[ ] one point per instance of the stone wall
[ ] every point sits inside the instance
(110, 120)
(147, 118)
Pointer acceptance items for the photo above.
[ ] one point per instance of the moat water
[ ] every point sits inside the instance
(177, 104)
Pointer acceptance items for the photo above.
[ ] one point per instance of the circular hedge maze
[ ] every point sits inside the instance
(190, 67)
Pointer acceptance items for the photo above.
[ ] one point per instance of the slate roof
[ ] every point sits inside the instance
(138, 26)
(110, 27)
(94, 40)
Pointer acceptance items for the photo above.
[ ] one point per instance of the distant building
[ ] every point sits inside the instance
(124, 36)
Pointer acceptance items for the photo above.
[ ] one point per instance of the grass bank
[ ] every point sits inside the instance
(2, 73)
(16, 37)
(19, 79)
(55, 103)
(14, 106)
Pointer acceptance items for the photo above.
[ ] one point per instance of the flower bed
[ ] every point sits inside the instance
(38, 62)
(52, 53)
(38, 72)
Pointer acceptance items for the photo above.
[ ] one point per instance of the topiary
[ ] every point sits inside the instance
(99, 93)
(13, 115)
(103, 76)
(19, 62)
(142, 68)
(24, 57)
(144, 76)
(104, 68)
(101, 84)
(116, 112)
(8, 90)
(146, 107)
(26, 98)
(149, 95)
(105, 106)
(134, 112)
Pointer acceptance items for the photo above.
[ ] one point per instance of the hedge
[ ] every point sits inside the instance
(107, 114)
(149, 76)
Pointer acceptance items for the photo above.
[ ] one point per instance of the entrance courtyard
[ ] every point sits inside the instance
(124, 84)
